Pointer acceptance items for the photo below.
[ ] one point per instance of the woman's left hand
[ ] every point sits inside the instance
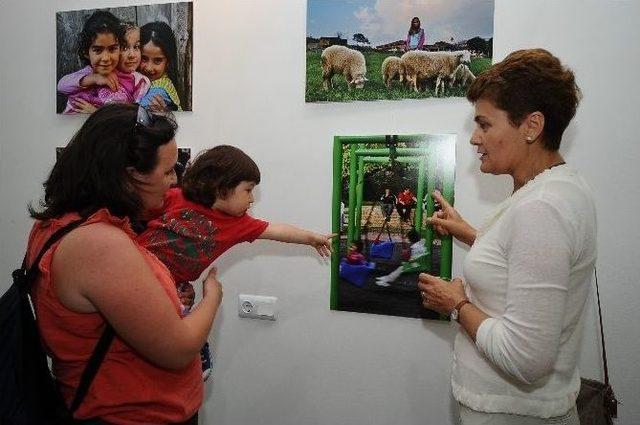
(440, 295)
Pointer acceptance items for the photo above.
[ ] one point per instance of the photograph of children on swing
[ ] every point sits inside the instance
(381, 199)
(134, 54)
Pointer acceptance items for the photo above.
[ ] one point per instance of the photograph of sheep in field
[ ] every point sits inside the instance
(382, 196)
(402, 49)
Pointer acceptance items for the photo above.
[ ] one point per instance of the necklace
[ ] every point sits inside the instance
(504, 205)
(556, 165)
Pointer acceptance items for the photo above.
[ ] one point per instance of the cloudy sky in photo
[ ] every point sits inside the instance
(384, 21)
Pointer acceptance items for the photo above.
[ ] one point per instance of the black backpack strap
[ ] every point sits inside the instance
(100, 351)
(92, 367)
(30, 275)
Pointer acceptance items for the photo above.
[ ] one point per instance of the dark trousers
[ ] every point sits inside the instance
(387, 210)
(192, 421)
(404, 211)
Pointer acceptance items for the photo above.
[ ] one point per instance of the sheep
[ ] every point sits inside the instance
(342, 60)
(421, 65)
(464, 74)
(392, 67)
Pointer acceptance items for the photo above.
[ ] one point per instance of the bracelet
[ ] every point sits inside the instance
(461, 303)
(455, 313)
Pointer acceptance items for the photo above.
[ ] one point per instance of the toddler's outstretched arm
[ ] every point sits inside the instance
(283, 232)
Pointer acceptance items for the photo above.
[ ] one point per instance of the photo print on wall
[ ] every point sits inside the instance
(135, 54)
(403, 49)
(382, 188)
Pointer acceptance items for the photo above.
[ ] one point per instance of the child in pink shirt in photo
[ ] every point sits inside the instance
(109, 77)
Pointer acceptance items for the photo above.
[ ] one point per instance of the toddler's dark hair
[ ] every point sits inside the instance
(216, 172)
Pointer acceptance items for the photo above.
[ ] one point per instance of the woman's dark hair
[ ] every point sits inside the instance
(161, 34)
(527, 81)
(91, 171)
(216, 172)
(412, 30)
(100, 22)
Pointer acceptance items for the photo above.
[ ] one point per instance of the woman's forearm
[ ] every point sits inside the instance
(470, 318)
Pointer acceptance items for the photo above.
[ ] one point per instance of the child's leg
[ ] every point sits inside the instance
(187, 296)
(206, 360)
(391, 277)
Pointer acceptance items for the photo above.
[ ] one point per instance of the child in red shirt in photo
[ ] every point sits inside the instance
(355, 255)
(406, 200)
(209, 214)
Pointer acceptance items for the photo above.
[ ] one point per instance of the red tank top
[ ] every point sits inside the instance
(127, 389)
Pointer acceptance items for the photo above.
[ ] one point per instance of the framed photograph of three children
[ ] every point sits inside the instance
(134, 54)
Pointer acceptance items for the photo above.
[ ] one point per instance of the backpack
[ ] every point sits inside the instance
(30, 395)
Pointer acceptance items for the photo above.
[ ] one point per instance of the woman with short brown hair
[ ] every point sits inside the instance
(527, 274)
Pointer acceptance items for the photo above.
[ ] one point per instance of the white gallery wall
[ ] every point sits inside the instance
(313, 365)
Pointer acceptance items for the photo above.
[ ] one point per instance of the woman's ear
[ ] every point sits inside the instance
(533, 126)
(135, 174)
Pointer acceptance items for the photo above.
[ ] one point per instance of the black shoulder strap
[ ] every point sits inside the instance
(604, 350)
(92, 367)
(100, 351)
(30, 275)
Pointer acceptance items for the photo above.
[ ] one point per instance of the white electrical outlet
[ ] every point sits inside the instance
(257, 307)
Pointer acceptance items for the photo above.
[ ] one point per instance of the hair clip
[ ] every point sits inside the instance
(144, 117)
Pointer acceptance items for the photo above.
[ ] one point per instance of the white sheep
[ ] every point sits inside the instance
(464, 74)
(392, 67)
(345, 61)
(421, 65)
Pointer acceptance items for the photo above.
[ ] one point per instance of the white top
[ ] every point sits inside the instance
(530, 270)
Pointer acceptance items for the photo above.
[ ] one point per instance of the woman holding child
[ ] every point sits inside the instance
(527, 274)
(105, 274)
(113, 173)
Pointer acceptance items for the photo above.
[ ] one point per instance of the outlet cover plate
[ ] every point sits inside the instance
(257, 306)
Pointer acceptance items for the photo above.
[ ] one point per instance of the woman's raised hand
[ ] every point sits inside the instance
(447, 221)
(211, 286)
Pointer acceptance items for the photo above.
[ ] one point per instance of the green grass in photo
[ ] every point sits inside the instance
(374, 89)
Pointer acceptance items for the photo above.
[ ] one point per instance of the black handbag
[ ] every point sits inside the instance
(30, 395)
(596, 403)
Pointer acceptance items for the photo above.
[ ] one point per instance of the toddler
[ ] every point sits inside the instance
(417, 249)
(209, 214)
(355, 255)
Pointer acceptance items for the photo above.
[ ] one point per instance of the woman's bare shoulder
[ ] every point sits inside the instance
(97, 243)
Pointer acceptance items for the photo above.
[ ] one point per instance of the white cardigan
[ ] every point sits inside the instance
(530, 270)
